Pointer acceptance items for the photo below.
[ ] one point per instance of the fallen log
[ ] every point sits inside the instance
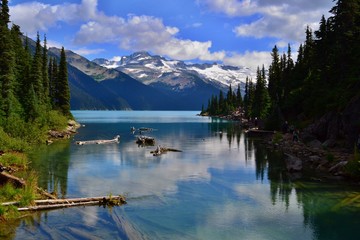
(160, 150)
(54, 206)
(100, 141)
(71, 202)
(76, 200)
(18, 182)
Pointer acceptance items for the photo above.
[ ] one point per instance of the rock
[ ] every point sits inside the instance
(338, 167)
(314, 158)
(315, 144)
(293, 164)
(337, 125)
(330, 143)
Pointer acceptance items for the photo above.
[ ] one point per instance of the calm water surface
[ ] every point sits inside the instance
(221, 186)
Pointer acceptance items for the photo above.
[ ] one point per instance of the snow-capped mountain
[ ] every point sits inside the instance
(177, 75)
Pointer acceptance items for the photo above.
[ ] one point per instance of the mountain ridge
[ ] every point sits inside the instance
(149, 68)
(143, 82)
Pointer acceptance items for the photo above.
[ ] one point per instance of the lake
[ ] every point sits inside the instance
(222, 185)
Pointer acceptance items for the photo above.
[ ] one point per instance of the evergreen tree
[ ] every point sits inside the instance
(45, 75)
(4, 15)
(221, 102)
(7, 64)
(36, 77)
(261, 101)
(274, 76)
(63, 91)
(53, 82)
(239, 100)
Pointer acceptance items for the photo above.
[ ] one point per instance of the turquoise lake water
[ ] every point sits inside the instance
(222, 185)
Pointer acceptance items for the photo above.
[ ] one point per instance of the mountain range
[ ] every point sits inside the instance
(145, 82)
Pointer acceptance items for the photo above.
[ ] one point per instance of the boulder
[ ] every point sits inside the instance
(293, 164)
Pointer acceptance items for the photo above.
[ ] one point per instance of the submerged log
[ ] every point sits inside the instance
(160, 150)
(145, 140)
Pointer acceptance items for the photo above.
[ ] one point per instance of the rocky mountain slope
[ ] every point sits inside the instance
(177, 76)
(144, 82)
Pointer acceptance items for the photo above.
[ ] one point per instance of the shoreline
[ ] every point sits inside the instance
(326, 163)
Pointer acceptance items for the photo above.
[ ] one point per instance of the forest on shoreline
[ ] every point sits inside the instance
(319, 93)
(34, 99)
(324, 78)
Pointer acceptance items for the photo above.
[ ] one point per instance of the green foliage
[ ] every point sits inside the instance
(63, 91)
(18, 159)
(353, 165)
(57, 120)
(224, 105)
(28, 194)
(9, 193)
(28, 100)
(8, 143)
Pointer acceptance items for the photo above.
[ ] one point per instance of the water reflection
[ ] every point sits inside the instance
(222, 185)
(52, 165)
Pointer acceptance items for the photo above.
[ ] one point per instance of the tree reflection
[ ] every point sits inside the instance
(52, 165)
(330, 210)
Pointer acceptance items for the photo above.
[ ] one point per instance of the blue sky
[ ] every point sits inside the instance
(233, 32)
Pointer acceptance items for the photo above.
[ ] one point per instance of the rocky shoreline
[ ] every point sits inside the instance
(325, 160)
(70, 130)
(324, 163)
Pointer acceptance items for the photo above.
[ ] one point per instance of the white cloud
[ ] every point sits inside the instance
(86, 51)
(278, 18)
(273, 18)
(252, 59)
(132, 33)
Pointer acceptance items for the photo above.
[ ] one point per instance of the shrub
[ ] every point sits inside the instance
(14, 158)
(10, 143)
(277, 138)
(353, 165)
(56, 120)
(9, 193)
(29, 191)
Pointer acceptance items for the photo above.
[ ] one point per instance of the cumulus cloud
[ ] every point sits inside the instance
(250, 59)
(132, 33)
(275, 18)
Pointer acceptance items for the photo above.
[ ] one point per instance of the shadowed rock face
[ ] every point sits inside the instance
(342, 127)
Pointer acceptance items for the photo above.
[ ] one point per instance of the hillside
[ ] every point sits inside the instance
(145, 82)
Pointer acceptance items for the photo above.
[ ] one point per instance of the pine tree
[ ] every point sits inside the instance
(239, 100)
(4, 15)
(53, 82)
(261, 101)
(63, 91)
(45, 75)
(274, 76)
(36, 77)
(7, 64)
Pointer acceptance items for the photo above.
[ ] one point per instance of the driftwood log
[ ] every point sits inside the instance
(160, 150)
(100, 141)
(71, 202)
